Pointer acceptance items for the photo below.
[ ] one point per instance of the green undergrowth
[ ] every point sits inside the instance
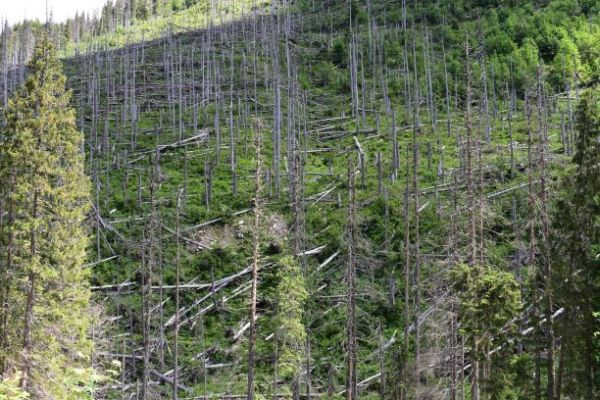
(513, 37)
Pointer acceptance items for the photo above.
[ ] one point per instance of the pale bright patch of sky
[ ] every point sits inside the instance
(16, 10)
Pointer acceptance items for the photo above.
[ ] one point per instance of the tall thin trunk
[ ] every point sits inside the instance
(407, 254)
(255, 259)
(509, 95)
(532, 244)
(381, 352)
(545, 250)
(177, 300)
(351, 379)
(469, 160)
(417, 276)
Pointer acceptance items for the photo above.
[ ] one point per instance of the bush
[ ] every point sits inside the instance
(339, 53)
(325, 74)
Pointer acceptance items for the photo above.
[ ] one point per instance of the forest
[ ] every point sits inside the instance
(302, 199)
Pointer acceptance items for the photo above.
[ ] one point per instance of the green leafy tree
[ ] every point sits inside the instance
(567, 63)
(43, 242)
(525, 61)
(588, 42)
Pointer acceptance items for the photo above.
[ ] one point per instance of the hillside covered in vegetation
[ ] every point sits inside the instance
(329, 199)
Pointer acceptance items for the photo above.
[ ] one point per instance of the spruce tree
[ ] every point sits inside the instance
(43, 241)
(290, 297)
(488, 302)
(577, 232)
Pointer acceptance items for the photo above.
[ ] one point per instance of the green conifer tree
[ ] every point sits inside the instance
(43, 241)
(577, 231)
(488, 300)
(291, 295)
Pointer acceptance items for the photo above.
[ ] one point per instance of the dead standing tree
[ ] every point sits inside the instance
(177, 295)
(546, 270)
(255, 258)
(351, 237)
(150, 262)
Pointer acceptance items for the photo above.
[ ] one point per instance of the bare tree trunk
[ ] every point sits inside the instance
(545, 251)
(407, 253)
(475, 377)
(532, 245)
(509, 95)
(308, 368)
(447, 90)
(382, 375)
(469, 163)
(453, 349)
(561, 368)
(277, 123)
(255, 259)
(417, 276)
(232, 141)
(351, 379)
(149, 260)
(177, 300)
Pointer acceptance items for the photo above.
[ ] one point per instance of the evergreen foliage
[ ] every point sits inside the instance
(290, 298)
(43, 240)
(488, 302)
(577, 223)
(460, 115)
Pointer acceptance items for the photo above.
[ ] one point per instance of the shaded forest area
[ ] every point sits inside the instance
(359, 199)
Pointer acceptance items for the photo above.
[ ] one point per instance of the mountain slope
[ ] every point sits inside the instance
(451, 113)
